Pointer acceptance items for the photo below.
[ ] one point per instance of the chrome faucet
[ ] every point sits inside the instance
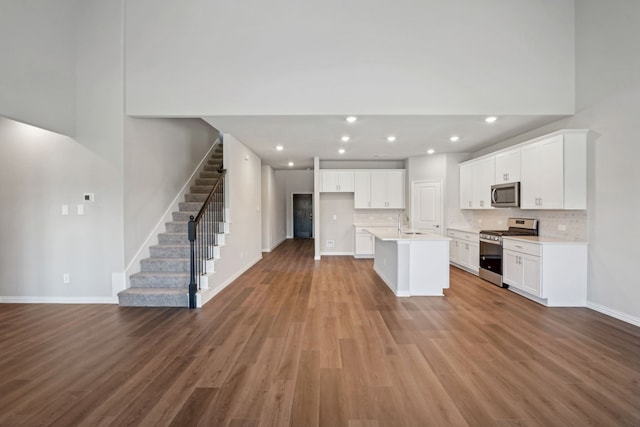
(400, 215)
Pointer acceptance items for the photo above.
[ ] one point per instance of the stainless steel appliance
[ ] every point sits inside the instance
(491, 247)
(505, 195)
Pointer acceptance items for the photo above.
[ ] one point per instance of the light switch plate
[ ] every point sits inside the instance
(65, 210)
(80, 209)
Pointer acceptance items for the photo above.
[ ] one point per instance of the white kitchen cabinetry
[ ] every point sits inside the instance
(466, 186)
(379, 189)
(551, 272)
(464, 250)
(362, 189)
(476, 179)
(337, 181)
(522, 267)
(554, 172)
(508, 166)
(365, 243)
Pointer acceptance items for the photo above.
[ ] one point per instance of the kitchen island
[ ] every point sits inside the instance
(412, 263)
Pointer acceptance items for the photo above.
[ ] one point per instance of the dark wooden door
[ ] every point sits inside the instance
(302, 215)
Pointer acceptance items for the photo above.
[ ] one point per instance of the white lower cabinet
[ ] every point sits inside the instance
(522, 271)
(552, 272)
(365, 244)
(464, 250)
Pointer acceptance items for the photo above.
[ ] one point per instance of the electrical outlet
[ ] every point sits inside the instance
(479, 221)
(335, 217)
(562, 227)
(66, 278)
(331, 244)
(499, 222)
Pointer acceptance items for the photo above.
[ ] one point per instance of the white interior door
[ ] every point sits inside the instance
(426, 205)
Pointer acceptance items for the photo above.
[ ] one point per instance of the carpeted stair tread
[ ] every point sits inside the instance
(164, 277)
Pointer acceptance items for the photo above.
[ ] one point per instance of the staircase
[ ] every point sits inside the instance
(164, 277)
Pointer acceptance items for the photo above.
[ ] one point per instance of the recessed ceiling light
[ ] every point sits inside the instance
(279, 147)
(341, 151)
(391, 138)
(454, 138)
(351, 119)
(290, 164)
(491, 119)
(431, 151)
(345, 138)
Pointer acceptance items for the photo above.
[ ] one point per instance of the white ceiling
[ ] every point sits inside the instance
(305, 137)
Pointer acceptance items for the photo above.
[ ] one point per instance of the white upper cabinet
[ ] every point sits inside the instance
(554, 172)
(337, 181)
(483, 178)
(362, 189)
(508, 166)
(466, 186)
(387, 189)
(476, 179)
(379, 189)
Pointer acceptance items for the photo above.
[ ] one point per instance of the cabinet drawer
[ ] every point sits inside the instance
(523, 247)
(463, 235)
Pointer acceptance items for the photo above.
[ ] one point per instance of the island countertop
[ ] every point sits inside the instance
(405, 235)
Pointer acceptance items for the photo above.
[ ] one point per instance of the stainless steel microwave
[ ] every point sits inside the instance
(505, 195)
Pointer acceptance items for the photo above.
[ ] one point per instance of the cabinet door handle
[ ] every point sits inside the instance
(518, 246)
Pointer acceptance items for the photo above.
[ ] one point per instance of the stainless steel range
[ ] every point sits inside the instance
(491, 247)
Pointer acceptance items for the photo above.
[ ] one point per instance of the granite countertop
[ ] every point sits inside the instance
(546, 240)
(406, 235)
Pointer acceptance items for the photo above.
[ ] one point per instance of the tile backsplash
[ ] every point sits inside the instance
(550, 222)
(376, 216)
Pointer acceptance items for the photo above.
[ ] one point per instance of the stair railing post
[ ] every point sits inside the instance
(192, 282)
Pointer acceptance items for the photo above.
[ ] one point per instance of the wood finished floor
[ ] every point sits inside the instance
(295, 342)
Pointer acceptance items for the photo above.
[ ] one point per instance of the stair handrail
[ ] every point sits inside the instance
(210, 219)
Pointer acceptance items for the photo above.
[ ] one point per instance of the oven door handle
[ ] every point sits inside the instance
(492, 242)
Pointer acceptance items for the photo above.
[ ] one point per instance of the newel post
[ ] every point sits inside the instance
(192, 282)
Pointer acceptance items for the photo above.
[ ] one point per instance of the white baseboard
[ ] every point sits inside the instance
(336, 253)
(274, 245)
(206, 295)
(614, 313)
(59, 300)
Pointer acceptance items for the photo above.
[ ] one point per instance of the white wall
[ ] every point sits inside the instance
(273, 211)
(159, 157)
(363, 56)
(41, 171)
(340, 229)
(243, 185)
(38, 51)
(608, 93)
(289, 182)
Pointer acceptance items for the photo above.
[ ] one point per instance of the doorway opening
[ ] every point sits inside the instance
(302, 215)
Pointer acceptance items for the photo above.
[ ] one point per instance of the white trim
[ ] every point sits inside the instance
(390, 285)
(614, 313)
(275, 245)
(336, 253)
(204, 296)
(152, 238)
(58, 300)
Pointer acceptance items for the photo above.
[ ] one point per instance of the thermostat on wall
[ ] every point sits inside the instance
(88, 197)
